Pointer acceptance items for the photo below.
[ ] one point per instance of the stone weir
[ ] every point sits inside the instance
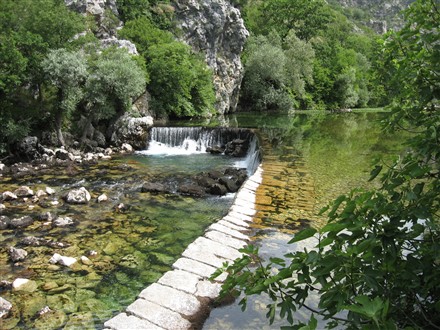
(182, 297)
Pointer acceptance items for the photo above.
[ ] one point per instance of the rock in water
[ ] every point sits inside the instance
(62, 260)
(17, 254)
(102, 198)
(63, 222)
(23, 284)
(5, 307)
(78, 196)
(24, 191)
(21, 222)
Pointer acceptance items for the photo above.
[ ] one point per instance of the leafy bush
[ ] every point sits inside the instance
(180, 82)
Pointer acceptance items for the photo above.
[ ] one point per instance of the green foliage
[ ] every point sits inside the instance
(377, 257)
(276, 72)
(328, 62)
(103, 84)
(180, 82)
(28, 30)
(159, 12)
(115, 79)
(304, 17)
(181, 85)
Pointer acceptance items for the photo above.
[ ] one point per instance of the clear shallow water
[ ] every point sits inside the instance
(135, 245)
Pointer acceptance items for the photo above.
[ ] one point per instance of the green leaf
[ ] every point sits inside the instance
(303, 234)
(333, 227)
(375, 172)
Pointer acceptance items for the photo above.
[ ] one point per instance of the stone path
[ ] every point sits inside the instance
(181, 297)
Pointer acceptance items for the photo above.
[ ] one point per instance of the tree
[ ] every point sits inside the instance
(28, 29)
(114, 79)
(67, 71)
(264, 82)
(181, 84)
(377, 257)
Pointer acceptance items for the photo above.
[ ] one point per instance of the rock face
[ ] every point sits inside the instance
(105, 13)
(215, 28)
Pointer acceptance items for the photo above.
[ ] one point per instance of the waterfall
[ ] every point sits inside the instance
(171, 141)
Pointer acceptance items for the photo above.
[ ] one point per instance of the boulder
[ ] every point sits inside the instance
(17, 254)
(229, 183)
(78, 196)
(28, 148)
(24, 191)
(154, 187)
(215, 150)
(21, 222)
(63, 222)
(23, 284)
(126, 148)
(131, 130)
(2, 207)
(40, 193)
(63, 154)
(62, 260)
(8, 196)
(5, 307)
(102, 198)
(4, 221)
(237, 148)
(205, 181)
(191, 190)
(50, 191)
(218, 189)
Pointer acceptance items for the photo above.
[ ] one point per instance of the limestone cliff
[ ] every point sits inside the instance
(215, 28)
(105, 13)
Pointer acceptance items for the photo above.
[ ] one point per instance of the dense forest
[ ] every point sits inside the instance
(55, 74)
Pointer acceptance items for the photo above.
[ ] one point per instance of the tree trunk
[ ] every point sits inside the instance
(58, 125)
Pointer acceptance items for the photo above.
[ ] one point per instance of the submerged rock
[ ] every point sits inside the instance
(4, 221)
(5, 307)
(24, 284)
(218, 189)
(63, 222)
(17, 254)
(102, 198)
(192, 190)
(21, 222)
(154, 187)
(78, 196)
(50, 191)
(24, 191)
(9, 196)
(62, 260)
